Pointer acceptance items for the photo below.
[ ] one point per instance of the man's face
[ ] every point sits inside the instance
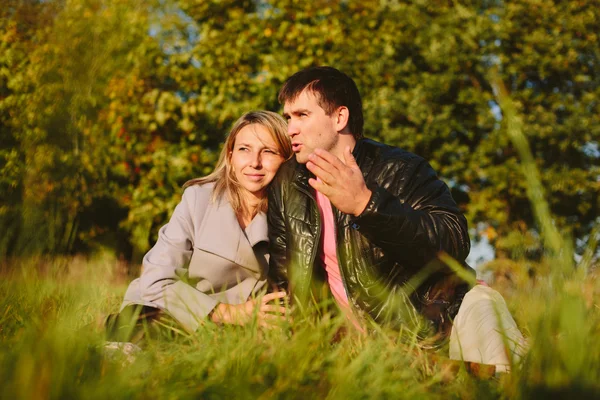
(309, 126)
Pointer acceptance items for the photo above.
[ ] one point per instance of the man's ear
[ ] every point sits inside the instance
(342, 118)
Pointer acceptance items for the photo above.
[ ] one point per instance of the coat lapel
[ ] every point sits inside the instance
(221, 234)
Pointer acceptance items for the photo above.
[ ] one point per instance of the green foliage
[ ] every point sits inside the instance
(562, 325)
(102, 121)
(55, 93)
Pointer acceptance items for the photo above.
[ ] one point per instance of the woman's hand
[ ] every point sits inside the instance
(267, 315)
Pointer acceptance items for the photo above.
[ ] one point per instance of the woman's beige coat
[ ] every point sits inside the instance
(202, 257)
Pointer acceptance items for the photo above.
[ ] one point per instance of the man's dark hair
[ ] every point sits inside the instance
(332, 88)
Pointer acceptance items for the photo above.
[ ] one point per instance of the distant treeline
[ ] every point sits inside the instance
(107, 107)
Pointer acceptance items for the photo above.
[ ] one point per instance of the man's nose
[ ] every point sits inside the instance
(292, 129)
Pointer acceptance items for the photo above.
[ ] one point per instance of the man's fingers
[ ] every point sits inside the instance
(320, 173)
(329, 158)
(320, 186)
(329, 163)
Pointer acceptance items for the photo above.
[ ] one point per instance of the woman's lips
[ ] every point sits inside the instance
(254, 177)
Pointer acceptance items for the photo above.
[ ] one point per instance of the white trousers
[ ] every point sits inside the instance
(484, 331)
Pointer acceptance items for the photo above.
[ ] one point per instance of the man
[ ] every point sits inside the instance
(367, 218)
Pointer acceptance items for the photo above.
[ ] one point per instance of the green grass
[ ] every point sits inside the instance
(52, 348)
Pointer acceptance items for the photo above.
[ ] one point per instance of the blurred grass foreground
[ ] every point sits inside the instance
(52, 346)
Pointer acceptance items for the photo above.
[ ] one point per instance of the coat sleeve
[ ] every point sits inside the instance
(415, 217)
(160, 284)
(278, 260)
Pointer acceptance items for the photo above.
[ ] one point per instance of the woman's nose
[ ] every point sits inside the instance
(256, 161)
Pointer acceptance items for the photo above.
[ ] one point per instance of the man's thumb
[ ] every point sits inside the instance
(349, 158)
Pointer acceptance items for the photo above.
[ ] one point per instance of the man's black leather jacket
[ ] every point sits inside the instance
(389, 248)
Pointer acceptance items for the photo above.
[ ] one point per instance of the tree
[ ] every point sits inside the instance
(68, 52)
(102, 121)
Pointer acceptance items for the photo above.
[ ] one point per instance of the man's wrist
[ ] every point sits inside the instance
(363, 201)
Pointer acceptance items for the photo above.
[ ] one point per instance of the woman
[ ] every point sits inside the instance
(211, 258)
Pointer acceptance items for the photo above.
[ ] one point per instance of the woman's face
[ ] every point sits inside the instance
(255, 158)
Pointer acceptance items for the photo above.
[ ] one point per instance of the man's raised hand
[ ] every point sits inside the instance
(341, 182)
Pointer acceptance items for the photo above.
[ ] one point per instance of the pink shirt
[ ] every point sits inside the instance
(328, 257)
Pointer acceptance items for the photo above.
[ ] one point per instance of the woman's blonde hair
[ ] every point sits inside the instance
(224, 176)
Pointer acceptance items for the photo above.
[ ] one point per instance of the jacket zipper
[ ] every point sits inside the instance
(336, 213)
(318, 241)
(318, 237)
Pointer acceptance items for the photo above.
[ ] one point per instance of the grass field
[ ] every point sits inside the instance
(52, 348)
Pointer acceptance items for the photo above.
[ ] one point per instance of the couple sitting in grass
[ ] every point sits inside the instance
(292, 208)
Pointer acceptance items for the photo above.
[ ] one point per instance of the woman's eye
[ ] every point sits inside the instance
(242, 148)
(270, 151)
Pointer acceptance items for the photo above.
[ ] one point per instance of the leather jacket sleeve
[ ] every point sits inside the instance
(412, 214)
(277, 236)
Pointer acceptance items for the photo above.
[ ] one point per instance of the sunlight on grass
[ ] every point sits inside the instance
(52, 348)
